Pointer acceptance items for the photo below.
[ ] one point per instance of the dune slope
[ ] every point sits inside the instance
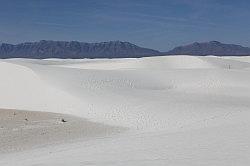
(177, 110)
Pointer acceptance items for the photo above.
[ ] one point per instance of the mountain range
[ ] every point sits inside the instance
(113, 49)
(210, 48)
(73, 49)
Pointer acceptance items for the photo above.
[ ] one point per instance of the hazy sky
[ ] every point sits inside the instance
(158, 24)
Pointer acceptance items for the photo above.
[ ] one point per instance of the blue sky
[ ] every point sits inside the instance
(158, 24)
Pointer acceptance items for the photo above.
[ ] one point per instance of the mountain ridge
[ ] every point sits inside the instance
(210, 48)
(112, 49)
(74, 49)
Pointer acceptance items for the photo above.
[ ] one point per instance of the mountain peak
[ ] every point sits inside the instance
(215, 42)
(210, 48)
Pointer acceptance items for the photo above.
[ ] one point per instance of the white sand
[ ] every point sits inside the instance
(179, 110)
(24, 130)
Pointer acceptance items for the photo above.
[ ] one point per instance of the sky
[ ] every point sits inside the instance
(157, 24)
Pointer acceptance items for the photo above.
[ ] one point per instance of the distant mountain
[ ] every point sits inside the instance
(63, 49)
(113, 49)
(210, 48)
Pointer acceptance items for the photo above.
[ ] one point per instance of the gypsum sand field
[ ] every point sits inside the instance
(24, 130)
(177, 110)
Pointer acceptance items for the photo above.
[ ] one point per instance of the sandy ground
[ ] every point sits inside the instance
(23, 130)
(172, 110)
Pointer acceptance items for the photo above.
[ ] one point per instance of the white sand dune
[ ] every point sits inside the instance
(179, 110)
(160, 63)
